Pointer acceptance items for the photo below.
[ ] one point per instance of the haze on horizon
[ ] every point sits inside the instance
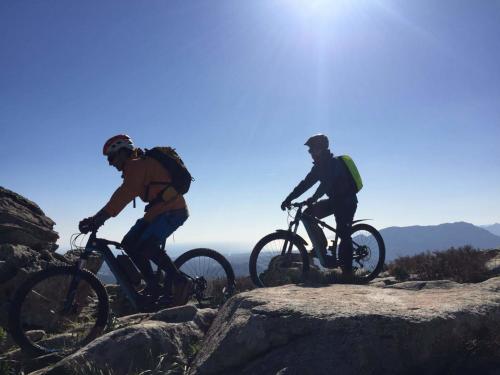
(409, 89)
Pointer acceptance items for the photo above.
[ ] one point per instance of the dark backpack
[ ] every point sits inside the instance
(171, 161)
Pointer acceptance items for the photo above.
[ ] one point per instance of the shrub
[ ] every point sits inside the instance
(244, 284)
(463, 265)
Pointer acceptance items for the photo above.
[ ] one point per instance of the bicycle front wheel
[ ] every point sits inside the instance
(59, 309)
(271, 266)
(368, 252)
(212, 274)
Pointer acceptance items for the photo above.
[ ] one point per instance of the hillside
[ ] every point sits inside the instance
(411, 240)
(493, 228)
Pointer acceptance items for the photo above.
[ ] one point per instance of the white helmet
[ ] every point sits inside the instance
(116, 143)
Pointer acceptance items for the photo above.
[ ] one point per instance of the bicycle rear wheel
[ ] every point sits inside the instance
(46, 317)
(269, 267)
(368, 252)
(212, 274)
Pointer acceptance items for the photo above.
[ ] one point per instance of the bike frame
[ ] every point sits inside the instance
(294, 225)
(101, 246)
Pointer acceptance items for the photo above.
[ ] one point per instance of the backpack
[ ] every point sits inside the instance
(353, 171)
(171, 161)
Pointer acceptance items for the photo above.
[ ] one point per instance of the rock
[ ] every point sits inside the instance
(176, 315)
(431, 328)
(283, 269)
(27, 245)
(384, 281)
(493, 265)
(118, 303)
(431, 284)
(22, 222)
(141, 346)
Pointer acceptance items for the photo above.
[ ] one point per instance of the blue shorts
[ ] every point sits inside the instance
(157, 231)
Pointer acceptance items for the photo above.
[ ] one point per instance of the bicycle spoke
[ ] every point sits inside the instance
(62, 326)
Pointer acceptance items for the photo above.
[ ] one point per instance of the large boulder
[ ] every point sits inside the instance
(415, 327)
(27, 245)
(22, 222)
(165, 340)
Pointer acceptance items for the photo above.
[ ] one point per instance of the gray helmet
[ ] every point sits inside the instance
(318, 141)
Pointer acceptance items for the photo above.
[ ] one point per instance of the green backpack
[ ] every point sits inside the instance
(353, 170)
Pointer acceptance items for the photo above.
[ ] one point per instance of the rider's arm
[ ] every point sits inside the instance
(304, 185)
(320, 191)
(132, 186)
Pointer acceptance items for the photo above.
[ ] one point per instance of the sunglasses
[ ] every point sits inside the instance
(112, 157)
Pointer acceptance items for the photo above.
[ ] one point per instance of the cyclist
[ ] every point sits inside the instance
(342, 202)
(146, 178)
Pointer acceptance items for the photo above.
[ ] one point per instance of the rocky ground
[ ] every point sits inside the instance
(27, 245)
(386, 327)
(413, 327)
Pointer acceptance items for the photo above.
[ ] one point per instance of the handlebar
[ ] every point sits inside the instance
(299, 204)
(93, 237)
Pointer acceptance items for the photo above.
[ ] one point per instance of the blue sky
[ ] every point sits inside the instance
(409, 89)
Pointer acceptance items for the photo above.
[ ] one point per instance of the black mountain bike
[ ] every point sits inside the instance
(282, 258)
(72, 305)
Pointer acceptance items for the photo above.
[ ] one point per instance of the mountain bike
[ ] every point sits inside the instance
(282, 258)
(72, 305)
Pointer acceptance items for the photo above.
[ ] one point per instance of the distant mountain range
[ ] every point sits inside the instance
(399, 241)
(493, 228)
(411, 240)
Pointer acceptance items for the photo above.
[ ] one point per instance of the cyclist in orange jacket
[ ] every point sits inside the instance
(342, 201)
(145, 178)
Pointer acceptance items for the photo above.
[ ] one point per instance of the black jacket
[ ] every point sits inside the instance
(335, 180)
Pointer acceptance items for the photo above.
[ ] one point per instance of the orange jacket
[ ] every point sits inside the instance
(138, 173)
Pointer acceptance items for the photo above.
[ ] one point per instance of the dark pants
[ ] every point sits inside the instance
(344, 211)
(144, 242)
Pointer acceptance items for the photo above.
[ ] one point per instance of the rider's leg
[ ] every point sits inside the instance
(162, 227)
(344, 215)
(131, 246)
(320, 209)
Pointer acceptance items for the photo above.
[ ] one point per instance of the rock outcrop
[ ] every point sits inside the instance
(22, 222)
(414, 327)
(27, 245)
(164, 340)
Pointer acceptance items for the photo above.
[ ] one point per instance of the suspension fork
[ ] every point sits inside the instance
(73, 285)
(292, 228)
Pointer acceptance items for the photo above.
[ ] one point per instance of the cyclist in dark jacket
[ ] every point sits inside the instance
(338, 185)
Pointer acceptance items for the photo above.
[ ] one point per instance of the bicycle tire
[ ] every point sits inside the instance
(365, 278)
(277, 236)
(227, 287)
(41, 347)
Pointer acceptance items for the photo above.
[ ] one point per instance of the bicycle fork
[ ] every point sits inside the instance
(288, 244)
(69, 301)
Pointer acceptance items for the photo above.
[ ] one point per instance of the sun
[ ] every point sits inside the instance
(317, 8)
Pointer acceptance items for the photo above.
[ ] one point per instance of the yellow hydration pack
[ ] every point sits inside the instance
(353, 170)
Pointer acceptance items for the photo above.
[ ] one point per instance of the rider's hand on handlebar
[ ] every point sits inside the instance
(86, 225)
(310, 201)
(285, 204)
(94, 222)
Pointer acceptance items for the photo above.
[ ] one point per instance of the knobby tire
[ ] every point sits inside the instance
(15, 324)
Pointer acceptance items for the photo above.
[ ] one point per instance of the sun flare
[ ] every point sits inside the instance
(317, 8)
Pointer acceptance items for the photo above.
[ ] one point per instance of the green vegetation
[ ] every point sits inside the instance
(244, 284)
(5, 368)
(463, 265)
(161, 365)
